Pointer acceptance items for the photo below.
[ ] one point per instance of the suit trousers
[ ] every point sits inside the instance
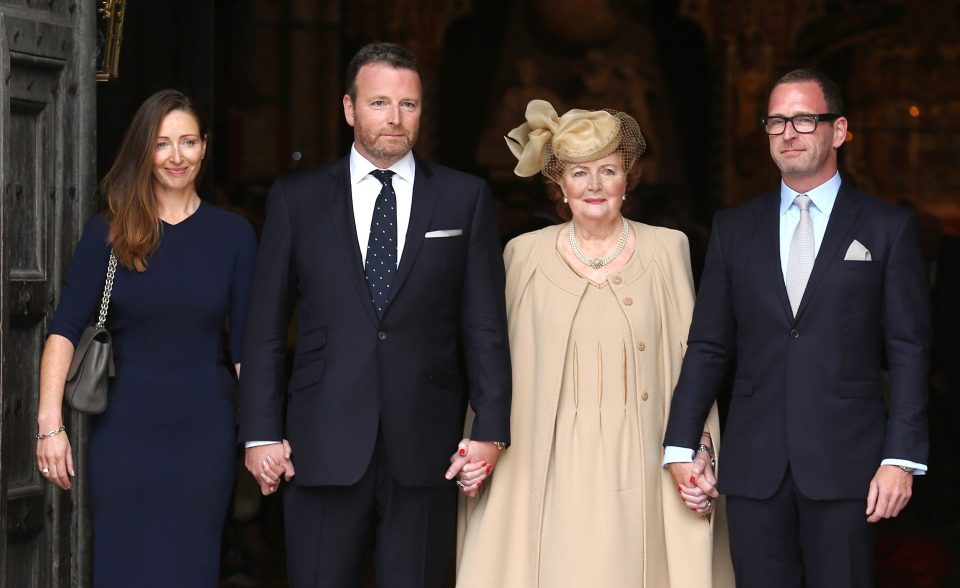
(791, 541)
(332, 531)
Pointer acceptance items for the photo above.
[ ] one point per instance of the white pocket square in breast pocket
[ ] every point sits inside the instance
(443, 233)
(857, 252)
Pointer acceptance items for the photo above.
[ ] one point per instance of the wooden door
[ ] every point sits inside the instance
(47, 166)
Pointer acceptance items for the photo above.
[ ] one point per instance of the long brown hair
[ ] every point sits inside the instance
(128, 187)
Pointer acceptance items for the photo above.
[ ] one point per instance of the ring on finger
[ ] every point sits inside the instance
(709, 504)
(461, 484)
(44, 470)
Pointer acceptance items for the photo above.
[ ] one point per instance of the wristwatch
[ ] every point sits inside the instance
(706, 449)
(499, 445)
(906, 470)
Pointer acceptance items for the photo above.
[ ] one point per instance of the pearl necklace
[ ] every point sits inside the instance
(599, 262)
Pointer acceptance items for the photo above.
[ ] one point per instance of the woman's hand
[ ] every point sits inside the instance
(696, 500)
(700, 490)
(472, 476)
(474, 462)
(696, 483)
(55, 459)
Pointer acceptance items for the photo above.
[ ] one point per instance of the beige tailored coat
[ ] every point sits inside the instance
(500, 533)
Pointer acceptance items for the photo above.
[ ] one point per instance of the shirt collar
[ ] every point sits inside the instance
(823, 196)
(360, 167)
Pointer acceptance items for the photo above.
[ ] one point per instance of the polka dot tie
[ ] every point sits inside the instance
(381, 263)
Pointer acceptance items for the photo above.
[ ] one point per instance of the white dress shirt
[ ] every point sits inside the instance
(365, 188)
(822, 199)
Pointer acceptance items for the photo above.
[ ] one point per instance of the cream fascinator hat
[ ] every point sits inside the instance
(546, 142)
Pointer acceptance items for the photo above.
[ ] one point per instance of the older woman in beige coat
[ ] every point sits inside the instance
(598, 312)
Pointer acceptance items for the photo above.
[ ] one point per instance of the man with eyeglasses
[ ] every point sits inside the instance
(816, 293)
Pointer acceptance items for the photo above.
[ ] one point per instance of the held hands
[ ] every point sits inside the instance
(474, 461)
(890, 491)
(55, 459)
(268, 463)
(696, 483)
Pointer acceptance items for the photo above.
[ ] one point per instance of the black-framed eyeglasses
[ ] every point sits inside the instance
(802, 123)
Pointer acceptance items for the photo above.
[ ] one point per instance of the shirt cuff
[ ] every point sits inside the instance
(919, 469)
(250, 444)
(673, 454)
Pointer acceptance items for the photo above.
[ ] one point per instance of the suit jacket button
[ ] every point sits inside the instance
(628, 301)
(382, 335)
(641, 346)
(795, 333)
(617, 280)
(644, 396)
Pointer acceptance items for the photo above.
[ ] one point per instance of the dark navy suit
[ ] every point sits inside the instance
(810, 403)
(366, 390)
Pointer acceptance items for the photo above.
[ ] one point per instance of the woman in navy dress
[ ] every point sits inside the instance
(162, 456)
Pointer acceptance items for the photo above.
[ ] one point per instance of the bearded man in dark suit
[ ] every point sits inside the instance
(394, 268)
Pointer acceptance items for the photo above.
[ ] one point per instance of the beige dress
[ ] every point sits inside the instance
(580, 499)
(593, 527)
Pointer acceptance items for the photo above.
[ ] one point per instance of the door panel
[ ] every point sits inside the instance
(45, 136)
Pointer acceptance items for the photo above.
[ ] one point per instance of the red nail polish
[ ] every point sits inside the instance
(489, 469)
(463, 451)
(693, 480)
(693, 510)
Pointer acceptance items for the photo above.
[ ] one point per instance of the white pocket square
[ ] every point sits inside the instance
(443, 233)
(857, 252)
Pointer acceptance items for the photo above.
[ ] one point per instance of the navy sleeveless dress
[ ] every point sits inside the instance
(162, 456)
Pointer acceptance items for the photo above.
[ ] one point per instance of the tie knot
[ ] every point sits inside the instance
(802, 201)
(383, 175)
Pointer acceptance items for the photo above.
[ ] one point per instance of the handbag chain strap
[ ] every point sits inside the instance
(107, 290)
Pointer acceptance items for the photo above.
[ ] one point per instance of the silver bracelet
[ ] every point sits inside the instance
(702, 448)
(42, 436)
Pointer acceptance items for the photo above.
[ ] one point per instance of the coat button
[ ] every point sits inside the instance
(644, 396)
(628, 301)
(795, 334)
(382, 335)
(617, 280)
(641, 346)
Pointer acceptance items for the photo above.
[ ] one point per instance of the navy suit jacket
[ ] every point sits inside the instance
(809, 391)
(441, 342)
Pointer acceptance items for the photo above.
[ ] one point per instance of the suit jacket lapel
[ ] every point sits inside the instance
(425, 197)
(769, 236)
(345, 228)
(845, 211)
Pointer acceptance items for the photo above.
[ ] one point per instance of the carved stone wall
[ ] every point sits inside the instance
(898, 65)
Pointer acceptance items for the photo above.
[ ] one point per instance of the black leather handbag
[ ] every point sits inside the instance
(92, 365)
